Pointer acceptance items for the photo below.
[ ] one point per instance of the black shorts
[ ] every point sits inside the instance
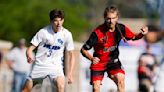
(112, 68)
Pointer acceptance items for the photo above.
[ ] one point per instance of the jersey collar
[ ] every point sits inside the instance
(55, 32)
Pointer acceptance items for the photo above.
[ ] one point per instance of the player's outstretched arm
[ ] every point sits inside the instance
(143, 31)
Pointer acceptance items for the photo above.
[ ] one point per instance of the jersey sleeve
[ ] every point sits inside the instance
(37, 38)
(139, 36)
(69, 42)
(129, 34)
(91, 41)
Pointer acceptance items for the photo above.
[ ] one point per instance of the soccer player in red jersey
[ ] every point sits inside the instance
(105, 41)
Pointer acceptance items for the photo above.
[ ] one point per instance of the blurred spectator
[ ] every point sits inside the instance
(154, 38)
(146, 70)
(16, 60)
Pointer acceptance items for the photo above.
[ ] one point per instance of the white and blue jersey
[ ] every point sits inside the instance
(50, 52)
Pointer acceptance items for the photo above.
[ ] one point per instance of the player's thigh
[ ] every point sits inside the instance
(96, 84)
(57, 76)
(115, 71)
(97, 76)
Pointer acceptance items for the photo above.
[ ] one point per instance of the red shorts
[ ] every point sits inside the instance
(111, 69)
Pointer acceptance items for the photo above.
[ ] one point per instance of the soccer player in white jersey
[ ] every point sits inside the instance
(51, 42)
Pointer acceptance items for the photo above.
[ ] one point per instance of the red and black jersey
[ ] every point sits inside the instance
(105, 43)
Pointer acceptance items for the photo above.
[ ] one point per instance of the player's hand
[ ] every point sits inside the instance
(30, 59)
(144, 30)
(70, 79)
(95, 60)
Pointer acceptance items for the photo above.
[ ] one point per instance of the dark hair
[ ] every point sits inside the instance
(111, 9)
(153, 28)
(56, 14)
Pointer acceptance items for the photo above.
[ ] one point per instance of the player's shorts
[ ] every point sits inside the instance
(38, 73)
(112, 69)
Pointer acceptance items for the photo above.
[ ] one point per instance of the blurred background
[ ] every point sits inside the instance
(23, 18)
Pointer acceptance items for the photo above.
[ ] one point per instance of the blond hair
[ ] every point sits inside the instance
(110, 9)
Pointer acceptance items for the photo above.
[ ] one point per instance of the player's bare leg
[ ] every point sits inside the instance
(60, 83)
(28, 86)
(96, 86)
(119, 79)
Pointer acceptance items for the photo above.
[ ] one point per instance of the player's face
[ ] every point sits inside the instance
(111, 19)
(57, 23)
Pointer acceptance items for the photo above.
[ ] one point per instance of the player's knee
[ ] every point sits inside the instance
(121, 83)
(61, 86)
(120, 79)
